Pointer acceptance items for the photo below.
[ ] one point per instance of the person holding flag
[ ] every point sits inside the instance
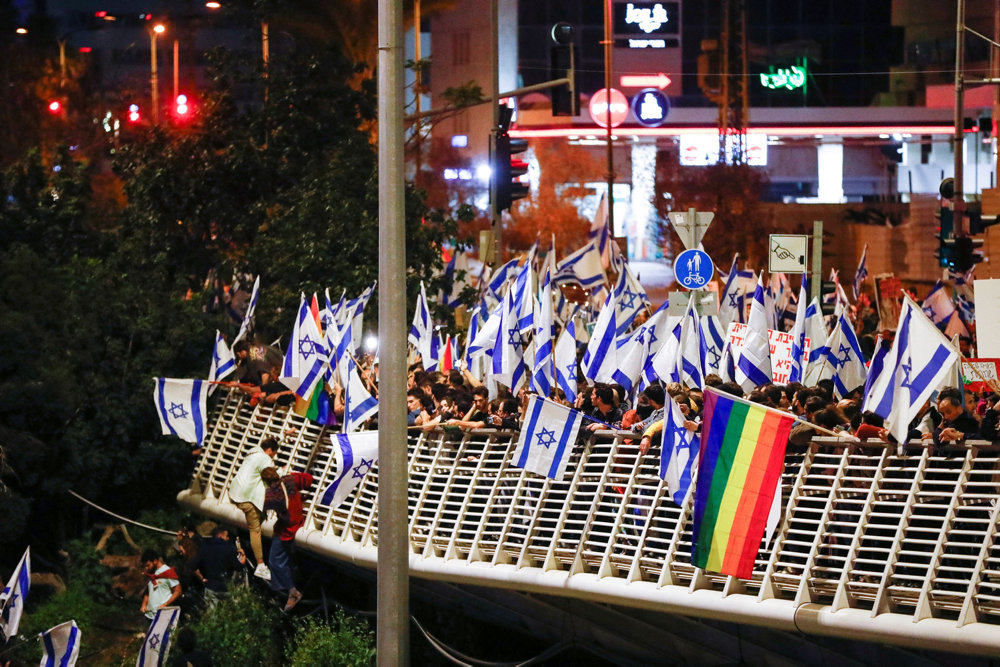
(163, 586)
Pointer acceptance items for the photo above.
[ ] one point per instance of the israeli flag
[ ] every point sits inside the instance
(247, 325)
(565, 360)
(753, 367)
(583, 266)
(732, 299)
(875, 370)
(421, 334)
(524, 291)
(306, 357)
(223, 361)
(920, 361)
(599, 232)
(938, 305)
(543, 375)
(692, 363)
(14, 595)
(180, 405)
(798, 361)
(843, 361)
(355, 454)
(456, 274)
(60, 645)
(355, 311)
(665, 363)
(861, 273)
(679, 455)
(547, 437)
(359, 404)
(630, 294)
(508, 348)
(817, 334)
(156, 646)
(601, 357)
(636, 351)
(499, 279)
(713, 342)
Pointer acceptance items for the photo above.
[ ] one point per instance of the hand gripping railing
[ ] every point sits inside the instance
(874, 544)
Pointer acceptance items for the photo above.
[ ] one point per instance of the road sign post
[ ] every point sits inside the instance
(787, 253)
(691, 226)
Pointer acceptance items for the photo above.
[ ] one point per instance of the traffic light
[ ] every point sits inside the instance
(946, 238)
(181, 107)
(562, 65)
(966, 255)
(506, 170)
(133, 115)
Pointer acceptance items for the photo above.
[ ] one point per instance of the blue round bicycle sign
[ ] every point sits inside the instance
(693, 269)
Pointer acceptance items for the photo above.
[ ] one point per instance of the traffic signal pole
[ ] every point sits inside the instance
(959, 200)
(496, 221)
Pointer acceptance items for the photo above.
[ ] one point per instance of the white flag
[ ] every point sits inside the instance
(355, 455)
(223, 361)
(753, 366)
(156, 647)
(247, 323)
(547, 437)
(181, 407)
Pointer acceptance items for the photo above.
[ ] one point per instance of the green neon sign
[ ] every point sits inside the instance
(789, 78)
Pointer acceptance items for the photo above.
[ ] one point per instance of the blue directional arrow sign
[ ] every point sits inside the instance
(693, 269)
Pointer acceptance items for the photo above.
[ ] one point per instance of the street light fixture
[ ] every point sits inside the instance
(21, 31)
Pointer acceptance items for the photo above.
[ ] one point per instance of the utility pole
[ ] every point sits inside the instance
(496, 215)
(609, 44)
(393, 608)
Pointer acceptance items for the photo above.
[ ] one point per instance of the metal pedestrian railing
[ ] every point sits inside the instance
(874, 543)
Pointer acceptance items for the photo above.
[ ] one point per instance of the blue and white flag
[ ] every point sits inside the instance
(713, 342)
(156, 647)
(15, 593)
(601, 357)
(180, 405)
(499, 279)
(247, 325)
(843, 362)
(753, 367)
(875, 369)
(508, 348)
(223, 361)
(817, 334)
(547, 437)
(565, 360)
(920, 361)
(799, 363)
(861, 273)
(966, 307)
(355, 455)
(543, 373)
(355, 310)
(599, 232)
(421, 335)
(359, 404)
(630, 294)
(60, 645)
(692, 362)
(665, 364)
(636, 352)
(583, 266)
(456, 274)
(679, 454)
(306, 357)
(938, 305)
(732, 300)
(524, 293)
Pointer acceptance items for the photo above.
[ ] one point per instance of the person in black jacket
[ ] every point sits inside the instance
(956, 424)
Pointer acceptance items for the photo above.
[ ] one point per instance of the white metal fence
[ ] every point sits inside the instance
(902, 548)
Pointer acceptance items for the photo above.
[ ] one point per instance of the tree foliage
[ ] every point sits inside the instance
(103, 283)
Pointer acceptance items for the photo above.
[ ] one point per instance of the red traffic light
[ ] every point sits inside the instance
(133, 113)
(181, 107)
(55, 106)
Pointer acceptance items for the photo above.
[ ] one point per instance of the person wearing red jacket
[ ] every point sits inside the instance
(284, 496)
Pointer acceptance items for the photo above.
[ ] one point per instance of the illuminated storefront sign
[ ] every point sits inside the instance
(703, 149)
(646, 25)
(787, 78)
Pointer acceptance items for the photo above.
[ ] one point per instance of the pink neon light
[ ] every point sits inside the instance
(788, 131)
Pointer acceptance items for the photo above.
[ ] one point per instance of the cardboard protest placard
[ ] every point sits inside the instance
(780, 344)
(981, 374)
(889, 300)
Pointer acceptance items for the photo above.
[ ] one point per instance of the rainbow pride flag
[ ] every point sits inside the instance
(742, 451)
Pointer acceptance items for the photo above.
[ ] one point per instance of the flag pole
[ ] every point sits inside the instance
(846, 436)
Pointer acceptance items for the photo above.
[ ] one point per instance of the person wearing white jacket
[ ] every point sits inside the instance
(246, 491)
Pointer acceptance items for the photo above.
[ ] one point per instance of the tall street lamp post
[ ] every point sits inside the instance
(154, 83)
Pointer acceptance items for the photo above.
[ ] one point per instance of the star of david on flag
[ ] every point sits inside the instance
(359, 404)
(60, 645)
(306, 357)
(156, 647)
(547, 437)
(14, 596)
(355, 454)
(180, 405)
